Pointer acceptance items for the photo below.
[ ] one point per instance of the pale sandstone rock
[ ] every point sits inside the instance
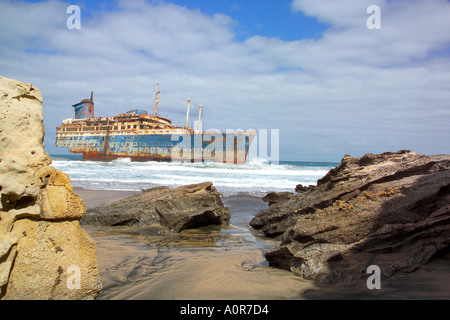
(57, 199)
(44, 253)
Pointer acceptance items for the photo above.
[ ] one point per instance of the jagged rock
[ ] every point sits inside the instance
(301, 188)
(40, 236)
(177, 209)
(275, 197)
(390, 210)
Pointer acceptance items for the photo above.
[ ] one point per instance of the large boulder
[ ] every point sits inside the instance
(391, 210)
(186, 207)
(44, 253)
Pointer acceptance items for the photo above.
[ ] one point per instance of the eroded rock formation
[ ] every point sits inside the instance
(44, 253)
(163, 208)
(391, 210)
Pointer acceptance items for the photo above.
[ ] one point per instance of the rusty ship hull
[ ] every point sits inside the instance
(149, 146)
(142, 137)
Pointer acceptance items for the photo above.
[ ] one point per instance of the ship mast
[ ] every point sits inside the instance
(156, 98)
(187, 115)
(199, 117)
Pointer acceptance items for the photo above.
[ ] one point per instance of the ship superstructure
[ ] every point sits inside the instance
(143, 137)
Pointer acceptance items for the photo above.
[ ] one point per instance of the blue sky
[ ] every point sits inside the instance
(269, 18)
(310, 68)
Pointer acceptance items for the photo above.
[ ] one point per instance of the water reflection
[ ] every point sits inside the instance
(215, 262)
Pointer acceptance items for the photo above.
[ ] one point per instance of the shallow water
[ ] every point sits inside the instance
(211, 263)
(227, 263)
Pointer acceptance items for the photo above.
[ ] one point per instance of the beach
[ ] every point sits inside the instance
(226, 263)
(95, 198)
(210, 263)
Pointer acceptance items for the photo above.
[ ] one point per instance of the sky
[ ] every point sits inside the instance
(311, 69)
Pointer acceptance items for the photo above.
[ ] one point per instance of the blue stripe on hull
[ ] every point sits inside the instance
(160, 145)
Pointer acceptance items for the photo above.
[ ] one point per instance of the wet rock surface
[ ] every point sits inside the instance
(391, 210)
(164, 208)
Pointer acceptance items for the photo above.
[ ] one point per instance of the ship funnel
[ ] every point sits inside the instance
(85, 108)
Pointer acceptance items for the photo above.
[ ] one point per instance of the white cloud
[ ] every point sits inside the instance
(410, 30)
(352, 91)
(337, 13)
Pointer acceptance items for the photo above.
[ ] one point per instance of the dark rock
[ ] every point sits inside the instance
(177, 209)
(301, 188)
(275, 197)
(390, 210)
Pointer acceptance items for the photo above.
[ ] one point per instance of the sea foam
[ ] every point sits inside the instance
(256, 178)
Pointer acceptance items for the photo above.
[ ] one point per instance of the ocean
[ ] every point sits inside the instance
(252, 179)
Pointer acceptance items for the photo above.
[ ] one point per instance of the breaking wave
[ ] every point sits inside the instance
(257, 178)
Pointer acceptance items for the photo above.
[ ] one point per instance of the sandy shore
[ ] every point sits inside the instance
(225, 263)
(95, 198)
(211, 263)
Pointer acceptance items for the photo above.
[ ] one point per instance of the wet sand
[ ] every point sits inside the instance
(96, 198)
(226, 263)
(211, 263)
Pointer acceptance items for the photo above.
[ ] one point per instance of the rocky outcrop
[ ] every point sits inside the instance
(275, 197)
(163, 208)
(301, 188)
(391, 210)
(44, 253)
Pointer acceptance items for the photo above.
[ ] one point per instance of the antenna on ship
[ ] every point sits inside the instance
(187, 115)
(156, 97)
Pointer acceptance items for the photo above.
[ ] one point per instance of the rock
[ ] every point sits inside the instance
(55, 247)
(301, 188)
(390, 210)
(177, 209)
(275, 197)
(41, 241)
